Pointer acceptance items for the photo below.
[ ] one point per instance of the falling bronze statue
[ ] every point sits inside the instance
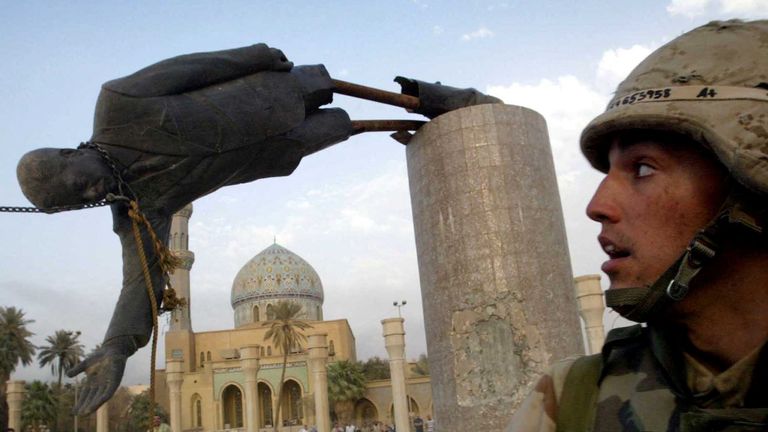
(183, 128)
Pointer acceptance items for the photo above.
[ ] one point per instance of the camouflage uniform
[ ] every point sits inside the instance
(647, 384)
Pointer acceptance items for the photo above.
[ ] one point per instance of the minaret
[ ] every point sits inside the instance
(179, 245)
(179, 340)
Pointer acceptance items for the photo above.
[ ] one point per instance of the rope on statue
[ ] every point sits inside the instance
(168, 262)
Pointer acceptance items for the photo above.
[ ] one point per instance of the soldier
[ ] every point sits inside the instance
(684, 149)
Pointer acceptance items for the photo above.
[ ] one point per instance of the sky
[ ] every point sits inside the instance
(346, 210)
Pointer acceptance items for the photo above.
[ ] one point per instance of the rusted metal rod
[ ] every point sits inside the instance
(376, 95)
(361, 126)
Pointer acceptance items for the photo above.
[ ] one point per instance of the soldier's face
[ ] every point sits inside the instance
(656, 196)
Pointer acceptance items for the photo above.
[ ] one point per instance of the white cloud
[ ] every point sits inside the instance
(566, 102)
(481, 33)
(750, 8)
(688, 8)
(727, 8)
(616, 64)
(437, 30)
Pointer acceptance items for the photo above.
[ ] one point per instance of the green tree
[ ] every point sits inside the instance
(375, 368)
(63, 351)
(138, 413)
(285, 332)
(38, 411)
(422, 366)
(346, 384)
(15, 348)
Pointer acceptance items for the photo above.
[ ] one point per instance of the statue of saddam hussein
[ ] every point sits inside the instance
(181, 129)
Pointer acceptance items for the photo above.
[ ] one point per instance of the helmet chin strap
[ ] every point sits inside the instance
(641, 304)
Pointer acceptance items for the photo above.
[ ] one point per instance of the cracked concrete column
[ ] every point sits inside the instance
(589, 295)
(249, 359)
(174, 376)
(102, 418)
(318, 359)
(394, 341)
(494, 268)
(15, 392)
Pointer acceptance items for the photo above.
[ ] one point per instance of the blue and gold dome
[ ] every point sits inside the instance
(275, 274)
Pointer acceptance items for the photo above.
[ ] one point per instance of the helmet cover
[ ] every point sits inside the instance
(711, 85)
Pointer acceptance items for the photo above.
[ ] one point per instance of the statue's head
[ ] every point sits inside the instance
(52, 177)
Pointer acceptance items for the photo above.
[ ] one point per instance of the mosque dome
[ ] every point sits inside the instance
(275, 274)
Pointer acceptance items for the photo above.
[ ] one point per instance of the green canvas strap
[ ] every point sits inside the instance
(578, 402)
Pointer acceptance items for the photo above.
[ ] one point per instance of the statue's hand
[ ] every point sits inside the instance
(104, 369)
(279, 62)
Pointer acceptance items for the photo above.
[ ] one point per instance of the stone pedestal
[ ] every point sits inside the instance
(249, 359)
(15, 396)
(494, 268)
(102, 418)
(394, 341)
(589, 296)
(318, 358)
(174, 376)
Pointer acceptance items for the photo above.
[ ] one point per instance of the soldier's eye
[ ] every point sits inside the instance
(644, 170)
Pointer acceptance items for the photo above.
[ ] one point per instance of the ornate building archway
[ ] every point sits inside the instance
(232, 407)
(292, 411)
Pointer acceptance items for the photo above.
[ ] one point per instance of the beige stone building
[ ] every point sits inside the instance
(224, 380)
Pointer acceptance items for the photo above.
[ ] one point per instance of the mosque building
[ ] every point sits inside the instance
(222, 380)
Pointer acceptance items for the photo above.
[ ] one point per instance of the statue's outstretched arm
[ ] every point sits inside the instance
(131, 324)
(194, 71)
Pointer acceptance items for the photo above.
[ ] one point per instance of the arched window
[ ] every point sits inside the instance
(184, 244)
(365, 412)
(262, 351)
(318, 313)
(331, 348)
(270, 313)
(197, 410)
(202, 358)
(269, 350)
(208, 356)
(293, 412)
(256, 313)
(198, 413)
(265, 398)
(232, 399)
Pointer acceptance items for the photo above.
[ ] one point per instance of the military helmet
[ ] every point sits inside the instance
(711, 85)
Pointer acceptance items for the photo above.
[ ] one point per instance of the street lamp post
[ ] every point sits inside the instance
(399, 305)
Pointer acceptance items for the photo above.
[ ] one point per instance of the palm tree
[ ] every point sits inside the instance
(285, 333)
(15, 347)
(346, 384)
(63, 351)
(38, 410)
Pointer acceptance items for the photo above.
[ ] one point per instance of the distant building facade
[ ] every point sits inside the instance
(213, 387)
